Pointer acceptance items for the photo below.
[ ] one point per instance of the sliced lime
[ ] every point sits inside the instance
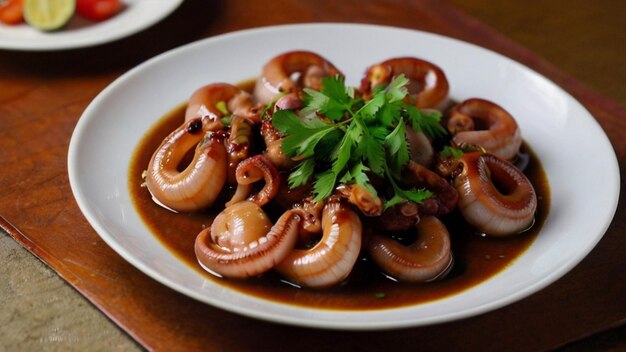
(48, 15)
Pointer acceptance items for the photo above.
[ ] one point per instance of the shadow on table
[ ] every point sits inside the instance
(190, 22)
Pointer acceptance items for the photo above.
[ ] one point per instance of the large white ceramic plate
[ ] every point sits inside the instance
(138, 15)
(584, 176)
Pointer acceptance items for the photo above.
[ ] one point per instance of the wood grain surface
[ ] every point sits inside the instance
(43, 95)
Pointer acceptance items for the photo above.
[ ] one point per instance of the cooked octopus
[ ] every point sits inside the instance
(229, 154)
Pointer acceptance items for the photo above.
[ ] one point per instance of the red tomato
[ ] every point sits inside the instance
(98, 10)
(11, 11)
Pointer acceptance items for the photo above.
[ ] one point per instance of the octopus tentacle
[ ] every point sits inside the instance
(276, 77)
(478, 122)
(495, 197)
(369, 204)
(312, 217)
(445, 196)
(428, 83)
(291, 101)
(254, 169)
(420, 147)
(331, 260)
(426, 259)
(199, 184)
(287, 197)
(399, 217)
(273, 138)
(239, 144)
(243, 243)
(203, 103)
(273, 146)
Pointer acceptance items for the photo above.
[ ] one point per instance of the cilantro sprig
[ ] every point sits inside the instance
(340, 139)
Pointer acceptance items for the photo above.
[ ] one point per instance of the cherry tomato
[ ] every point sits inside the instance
(11, 11)
(98, 10)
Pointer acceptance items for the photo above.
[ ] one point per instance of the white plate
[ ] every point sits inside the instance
(552, 122)
(138, 15)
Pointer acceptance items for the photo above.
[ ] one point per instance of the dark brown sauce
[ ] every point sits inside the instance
(476, 258)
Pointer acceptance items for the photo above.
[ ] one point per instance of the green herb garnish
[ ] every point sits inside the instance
(451, 152)
(340, 138)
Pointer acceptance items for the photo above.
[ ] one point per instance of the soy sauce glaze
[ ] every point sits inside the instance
(477, 258)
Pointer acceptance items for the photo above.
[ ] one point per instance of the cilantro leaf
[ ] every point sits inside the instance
(314, 101)
(395, 200)
(302, 173)
(379, 132)
(370, 108)
(341, 155)
(417, 195)
(400, 195)
(425, 122)
(325, 148)
(360, 177)
(397, 147)
(335, 88)
(451, 152)
(397, 91)
(356, 175)
(288, 122)
(332, 101)
(372, 151)
(389, 114)
(324, 185)
(302, 134)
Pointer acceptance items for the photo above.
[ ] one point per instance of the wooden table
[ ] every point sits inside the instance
(43, 94)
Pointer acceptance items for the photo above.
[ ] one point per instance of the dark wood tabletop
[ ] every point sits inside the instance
(577, 44)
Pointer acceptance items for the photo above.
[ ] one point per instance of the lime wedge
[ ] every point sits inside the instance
(48, 15)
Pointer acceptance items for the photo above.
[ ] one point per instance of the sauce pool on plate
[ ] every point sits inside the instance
(476, 258)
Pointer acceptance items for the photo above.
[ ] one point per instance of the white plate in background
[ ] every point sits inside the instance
(137, 15)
